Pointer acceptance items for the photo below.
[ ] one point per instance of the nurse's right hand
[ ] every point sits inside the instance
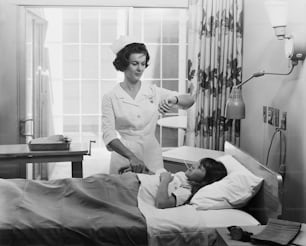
(137, 165)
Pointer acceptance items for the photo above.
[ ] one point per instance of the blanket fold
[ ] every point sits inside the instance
(97, 210)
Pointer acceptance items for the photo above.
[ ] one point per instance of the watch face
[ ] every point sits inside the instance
(289, 49)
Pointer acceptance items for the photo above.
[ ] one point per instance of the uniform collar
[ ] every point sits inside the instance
(144, 91)
(123, 96)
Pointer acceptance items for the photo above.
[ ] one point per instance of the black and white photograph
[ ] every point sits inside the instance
(152, 123)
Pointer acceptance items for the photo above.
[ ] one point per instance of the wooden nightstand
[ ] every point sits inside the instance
(224, 238)
(174, 159)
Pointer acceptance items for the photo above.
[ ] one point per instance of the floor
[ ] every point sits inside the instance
(98, 162)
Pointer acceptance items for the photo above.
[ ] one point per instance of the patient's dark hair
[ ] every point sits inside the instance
(215, 171)
(121, 61)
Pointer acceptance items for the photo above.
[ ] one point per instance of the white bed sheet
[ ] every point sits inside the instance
(183, 225)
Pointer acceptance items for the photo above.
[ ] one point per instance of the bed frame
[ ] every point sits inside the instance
(267, 202)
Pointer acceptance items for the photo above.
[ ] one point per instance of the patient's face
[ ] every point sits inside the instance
(196, 173)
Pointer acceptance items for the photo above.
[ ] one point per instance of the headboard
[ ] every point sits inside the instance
(267, 202)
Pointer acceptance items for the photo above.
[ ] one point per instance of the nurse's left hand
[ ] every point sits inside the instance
(165, 106)
(137, 165)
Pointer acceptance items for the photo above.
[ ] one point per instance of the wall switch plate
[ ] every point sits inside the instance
(276, 117)
(264, 114)
(271, 116)
(284, 121)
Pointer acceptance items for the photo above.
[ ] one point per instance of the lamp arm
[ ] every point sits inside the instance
(259, 74)
(290, 71)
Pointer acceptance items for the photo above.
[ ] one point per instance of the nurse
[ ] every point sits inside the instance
(130, 111)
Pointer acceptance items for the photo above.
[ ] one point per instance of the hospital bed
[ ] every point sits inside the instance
(117, 210)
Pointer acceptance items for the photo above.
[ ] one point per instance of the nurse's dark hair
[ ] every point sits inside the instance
(121, 61)
(215, 171)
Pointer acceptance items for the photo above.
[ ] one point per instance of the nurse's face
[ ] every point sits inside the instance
(136, 67)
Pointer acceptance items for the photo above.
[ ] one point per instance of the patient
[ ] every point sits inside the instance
(177, 189)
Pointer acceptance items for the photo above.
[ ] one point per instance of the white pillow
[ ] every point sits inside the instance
(231, 164)
(227, 217)
(233, 191)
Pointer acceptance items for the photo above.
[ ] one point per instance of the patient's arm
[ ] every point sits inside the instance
(163, 200)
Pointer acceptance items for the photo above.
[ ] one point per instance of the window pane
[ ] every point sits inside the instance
(71, 25)
(70, 61)
(152, 20)
(71, 97)
(137, 23)
(90, 125)
(71, 124)
(155, 82)
(109, 24)
(90, 61)
(74, 136)
(58, 104)
(107, 68)
(55, 56)
(170, 61)
(171, 26)
(55, 25)
(90, 97)
(89, 26)
(153, 70)
(82, 48)
(107, 85)
(90, 129)
(171, 85)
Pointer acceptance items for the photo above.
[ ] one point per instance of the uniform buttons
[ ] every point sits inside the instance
(138, 116)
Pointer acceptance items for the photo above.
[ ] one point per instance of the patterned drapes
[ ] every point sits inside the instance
(214, 66)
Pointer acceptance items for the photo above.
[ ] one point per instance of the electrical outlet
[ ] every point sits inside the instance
(284, 121)
(276, 117)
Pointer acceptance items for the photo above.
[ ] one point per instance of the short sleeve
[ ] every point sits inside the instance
(108, 120)
(181, 194)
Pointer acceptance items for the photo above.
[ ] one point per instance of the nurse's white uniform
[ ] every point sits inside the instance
(133, 121)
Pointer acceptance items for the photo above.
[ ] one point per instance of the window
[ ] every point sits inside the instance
(78, 40)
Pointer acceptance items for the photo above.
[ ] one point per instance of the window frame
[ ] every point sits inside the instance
(104, 3)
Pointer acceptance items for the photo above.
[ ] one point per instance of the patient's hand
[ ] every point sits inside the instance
(166, 177)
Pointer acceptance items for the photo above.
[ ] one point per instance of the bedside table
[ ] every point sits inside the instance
(174, 159)
(224, 238)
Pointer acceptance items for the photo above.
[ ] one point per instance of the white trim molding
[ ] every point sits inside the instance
(104, 3)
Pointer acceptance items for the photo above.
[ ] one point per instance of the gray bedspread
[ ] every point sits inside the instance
(98, 210)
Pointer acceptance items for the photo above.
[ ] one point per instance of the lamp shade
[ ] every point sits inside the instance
(235, 107)
(277, 11)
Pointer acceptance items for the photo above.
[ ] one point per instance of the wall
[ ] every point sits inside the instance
(262, 51)
(8, 77)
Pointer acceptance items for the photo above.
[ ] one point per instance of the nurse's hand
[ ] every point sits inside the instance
(166, 104)
(137, 165)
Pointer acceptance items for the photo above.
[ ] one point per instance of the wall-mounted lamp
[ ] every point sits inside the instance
(295, 45)
(235, 107)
